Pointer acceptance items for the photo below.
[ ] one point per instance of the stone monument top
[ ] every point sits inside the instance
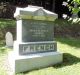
(35, 13)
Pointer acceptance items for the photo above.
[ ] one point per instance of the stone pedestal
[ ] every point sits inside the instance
(29, 62)
(35, 46)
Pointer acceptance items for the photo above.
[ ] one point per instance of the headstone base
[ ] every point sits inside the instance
(24, 63)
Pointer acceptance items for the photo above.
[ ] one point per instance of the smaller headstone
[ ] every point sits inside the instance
(9, 39)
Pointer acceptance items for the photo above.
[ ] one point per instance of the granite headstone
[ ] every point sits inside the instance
(35, 46)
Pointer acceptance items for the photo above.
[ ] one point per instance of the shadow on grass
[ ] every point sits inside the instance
(68, 60)
(69, 41)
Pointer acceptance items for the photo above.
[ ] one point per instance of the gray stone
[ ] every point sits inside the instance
(35, 46)
(33, 31)
(37, 31)
(35, 13)
(9, 39)
(33, 61)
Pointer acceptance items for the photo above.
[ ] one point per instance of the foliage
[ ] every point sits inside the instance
(66, 28)
(6, 10)
(7, 23)
(73, 5)
(16, 2)
(5, 26)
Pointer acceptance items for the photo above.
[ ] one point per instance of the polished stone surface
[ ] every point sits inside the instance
(37, 31)
(35, 47)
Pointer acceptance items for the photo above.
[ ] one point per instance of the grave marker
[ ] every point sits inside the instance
(35, 46)
(9, 39)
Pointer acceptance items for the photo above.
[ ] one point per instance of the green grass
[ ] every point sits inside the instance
(70, 48)
(3, 55)
(7, 23)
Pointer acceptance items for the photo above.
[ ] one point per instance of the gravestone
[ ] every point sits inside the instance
(9, 39)
(35, 46)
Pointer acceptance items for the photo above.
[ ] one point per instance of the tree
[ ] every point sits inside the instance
(73, 5)
(6, 10)
(7, 7)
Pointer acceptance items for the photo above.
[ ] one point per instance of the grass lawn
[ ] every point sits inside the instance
(70, 48)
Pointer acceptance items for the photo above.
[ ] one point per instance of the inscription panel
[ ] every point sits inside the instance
(33, 31)
(36, 48)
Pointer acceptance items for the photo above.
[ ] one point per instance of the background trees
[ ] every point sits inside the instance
(73, 5)
(7, 7)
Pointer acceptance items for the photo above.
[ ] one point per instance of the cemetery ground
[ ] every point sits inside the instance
(70, 47)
